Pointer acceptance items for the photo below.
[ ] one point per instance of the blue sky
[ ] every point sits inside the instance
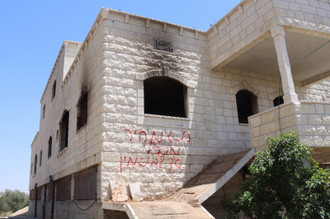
(31, 34)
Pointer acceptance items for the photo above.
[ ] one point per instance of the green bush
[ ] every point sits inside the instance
(285, 182)
(13, 201)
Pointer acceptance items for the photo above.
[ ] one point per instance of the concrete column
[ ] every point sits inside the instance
(290, 95)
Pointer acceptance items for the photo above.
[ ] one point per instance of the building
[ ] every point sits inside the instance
(173, 115)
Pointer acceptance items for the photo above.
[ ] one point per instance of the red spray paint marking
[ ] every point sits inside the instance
(162, 158)
(183, 137)
(145, 136)
(169, 136)
(176, 162)
(154, 162)
(159, 150)
(130, 160)
(143, 165)
(127, 130)
(172, 150)
(154, 136)
(171, 164)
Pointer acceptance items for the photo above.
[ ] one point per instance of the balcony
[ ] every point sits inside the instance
(309, 119)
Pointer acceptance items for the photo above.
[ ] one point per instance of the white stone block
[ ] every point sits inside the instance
(118, 191)
(135, 191)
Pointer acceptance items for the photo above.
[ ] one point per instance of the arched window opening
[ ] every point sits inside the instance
(54, 90)
(82, 111)
(64, 131)
(278, 101)
(40, 161)
(246, 105)
(35, 164)
(44, 111)
(50, 142)
(164, 96)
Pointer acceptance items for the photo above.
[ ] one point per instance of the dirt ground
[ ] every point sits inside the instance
(21, 214)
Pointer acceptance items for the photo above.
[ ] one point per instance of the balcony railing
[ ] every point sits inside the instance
(309, 119)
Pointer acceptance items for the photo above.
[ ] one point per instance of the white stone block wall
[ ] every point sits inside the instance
(309, 119)
(115, 58)
(313, 122)
(84, 146)
(212, 123)
(267, 124)
(243, 27)
(250, 22)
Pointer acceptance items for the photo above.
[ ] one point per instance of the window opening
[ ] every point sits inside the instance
(35, 164)
(50, 142)
(64, 131)
(164, 96)
(246, 105)
(275, 101)
(31, 169)
(56, 134)
(54, 90)
(40, 158)
(82, 111)
(44, 111)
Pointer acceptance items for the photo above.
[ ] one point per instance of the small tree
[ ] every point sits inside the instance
(285, 182)
(13, 201)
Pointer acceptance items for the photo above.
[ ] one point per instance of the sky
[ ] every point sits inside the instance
(31, 34)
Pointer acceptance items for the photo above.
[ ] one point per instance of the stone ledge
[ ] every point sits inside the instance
(166, 117)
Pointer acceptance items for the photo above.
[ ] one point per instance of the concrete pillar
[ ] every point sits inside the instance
(290, 95)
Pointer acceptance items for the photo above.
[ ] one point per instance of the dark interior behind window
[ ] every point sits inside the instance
(82, 111)
(64, 130)
(164, 96)
(246, 105)
(278, 101)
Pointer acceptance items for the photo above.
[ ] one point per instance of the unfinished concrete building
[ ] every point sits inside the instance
(149, 119)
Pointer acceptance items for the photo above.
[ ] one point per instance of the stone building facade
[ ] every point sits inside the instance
(146, 102)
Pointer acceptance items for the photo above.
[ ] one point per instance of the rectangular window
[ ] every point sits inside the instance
(50, 143)
(82, 111)
(54, 90)
(63, 189)
(44, 112)
(64, 131)
(85, 184)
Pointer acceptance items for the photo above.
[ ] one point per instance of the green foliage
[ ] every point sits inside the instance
(285, 182)
(13, 201)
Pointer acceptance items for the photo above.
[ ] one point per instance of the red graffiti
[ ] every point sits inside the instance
(154, 162)
(176, 162)
(154, 136)
(171, 164)
(143, 165)
(162, 158)
(130, 160)
(145, 136)
(183, 137)
(158, 156)
(169, 136)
